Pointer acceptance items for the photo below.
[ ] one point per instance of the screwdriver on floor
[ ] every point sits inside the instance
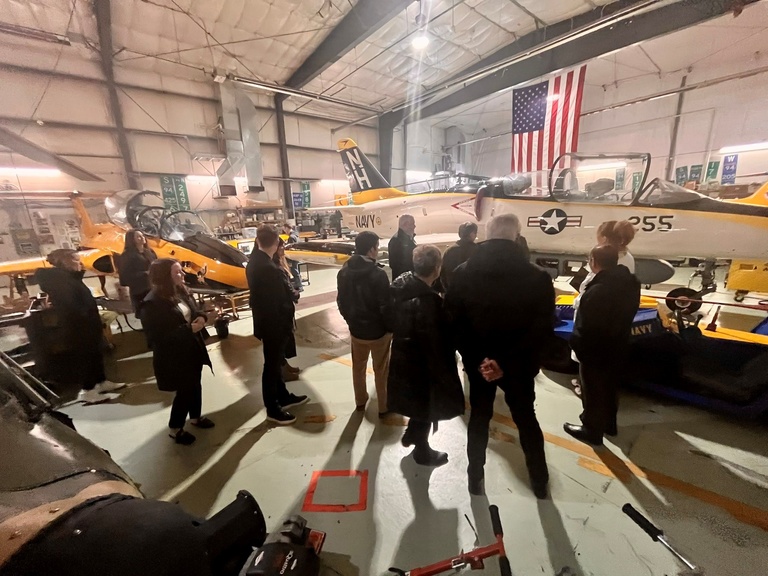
(656, 534)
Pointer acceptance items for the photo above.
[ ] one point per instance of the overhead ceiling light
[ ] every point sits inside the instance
(36, 172)
(744, 148)
(606, 166)
(420, 41)
(201, 178)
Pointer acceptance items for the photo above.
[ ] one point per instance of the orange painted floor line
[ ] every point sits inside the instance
(739, 510)
(608, 464)
(345, 361)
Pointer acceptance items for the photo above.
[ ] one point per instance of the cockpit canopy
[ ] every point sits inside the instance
(604, 178)
(145, 211)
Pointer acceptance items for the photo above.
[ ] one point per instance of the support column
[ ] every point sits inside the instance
(103, 11)
(284, 167)
(675, 129)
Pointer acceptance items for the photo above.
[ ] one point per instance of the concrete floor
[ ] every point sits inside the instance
(702, 478)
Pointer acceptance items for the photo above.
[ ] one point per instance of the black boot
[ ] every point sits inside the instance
(476, 482)
(426, 456)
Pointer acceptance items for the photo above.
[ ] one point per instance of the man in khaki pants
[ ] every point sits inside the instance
(364, 301)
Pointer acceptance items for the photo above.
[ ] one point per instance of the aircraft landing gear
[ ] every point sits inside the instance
(687, 299)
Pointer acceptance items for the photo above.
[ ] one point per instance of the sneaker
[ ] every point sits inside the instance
(293, 400)
(94, 397)
(108, 386)
(281, 418)
(183, 437)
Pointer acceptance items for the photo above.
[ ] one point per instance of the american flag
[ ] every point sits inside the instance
(545, 121)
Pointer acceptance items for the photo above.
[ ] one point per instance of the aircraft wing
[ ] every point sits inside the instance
(95, 262)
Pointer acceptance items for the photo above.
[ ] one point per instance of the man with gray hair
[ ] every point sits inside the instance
(423, 381)
(502, 309)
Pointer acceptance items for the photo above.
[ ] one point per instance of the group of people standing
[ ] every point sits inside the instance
(491, 304)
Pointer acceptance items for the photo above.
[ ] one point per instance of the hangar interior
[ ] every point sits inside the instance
(232, 109)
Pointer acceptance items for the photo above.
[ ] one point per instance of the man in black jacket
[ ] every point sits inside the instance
(401, 245)
(459, 252)
(502, 310)
(600, 340)
(273, 308)
(363, 300)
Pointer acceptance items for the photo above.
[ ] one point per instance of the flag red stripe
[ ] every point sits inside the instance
(577, 106)
(553, 123)
(566, 109)
(540, 151)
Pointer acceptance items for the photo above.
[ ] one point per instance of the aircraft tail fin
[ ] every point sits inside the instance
(87, 227)
(759, 198)
(365, 181)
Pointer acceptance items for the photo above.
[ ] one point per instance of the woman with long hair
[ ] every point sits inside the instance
(133, 266)
(174, 327)
(618, 233)
(290, 373)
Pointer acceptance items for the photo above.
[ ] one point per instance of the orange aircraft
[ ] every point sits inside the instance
(179, 234)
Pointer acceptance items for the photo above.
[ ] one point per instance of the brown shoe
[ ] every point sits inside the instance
(293, 369)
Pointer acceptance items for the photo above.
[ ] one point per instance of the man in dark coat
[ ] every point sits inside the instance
(459, 252)
(600, 340)
(401, 245)
(81, 341)
(502, 309)
(424, 381)
(273, 309)
(363, 300)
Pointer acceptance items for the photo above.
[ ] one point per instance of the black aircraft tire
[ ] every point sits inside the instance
(684, 295)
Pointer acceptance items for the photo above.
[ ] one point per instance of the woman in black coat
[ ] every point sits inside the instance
(174, 327)
(423, 381)
(133, 266)
(81, 340)
(290, 373)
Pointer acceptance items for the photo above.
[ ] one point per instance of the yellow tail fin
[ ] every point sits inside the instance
(759, 198)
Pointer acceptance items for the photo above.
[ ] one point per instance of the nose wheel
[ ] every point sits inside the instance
(686, 300)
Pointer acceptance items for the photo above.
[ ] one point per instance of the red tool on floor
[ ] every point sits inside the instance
(473, 558)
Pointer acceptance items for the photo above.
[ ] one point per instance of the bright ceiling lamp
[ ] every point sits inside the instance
(606, 166)
(32, 172)
(421, 40)
(744, 148)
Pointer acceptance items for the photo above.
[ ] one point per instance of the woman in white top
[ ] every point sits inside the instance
(618, 233)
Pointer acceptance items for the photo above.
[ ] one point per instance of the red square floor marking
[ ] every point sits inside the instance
(362, 501)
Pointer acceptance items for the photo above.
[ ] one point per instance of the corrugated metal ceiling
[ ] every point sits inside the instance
(269, 39)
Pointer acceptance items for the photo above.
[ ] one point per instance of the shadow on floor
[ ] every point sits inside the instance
(199, 497)
(170, 464)
(433, 533)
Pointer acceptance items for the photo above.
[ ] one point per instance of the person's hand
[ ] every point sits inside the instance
(490, 370)
(198, 324)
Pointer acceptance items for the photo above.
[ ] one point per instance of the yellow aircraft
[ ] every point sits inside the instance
(177, 234)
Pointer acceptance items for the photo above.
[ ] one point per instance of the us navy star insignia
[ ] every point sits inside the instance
(554, 221)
